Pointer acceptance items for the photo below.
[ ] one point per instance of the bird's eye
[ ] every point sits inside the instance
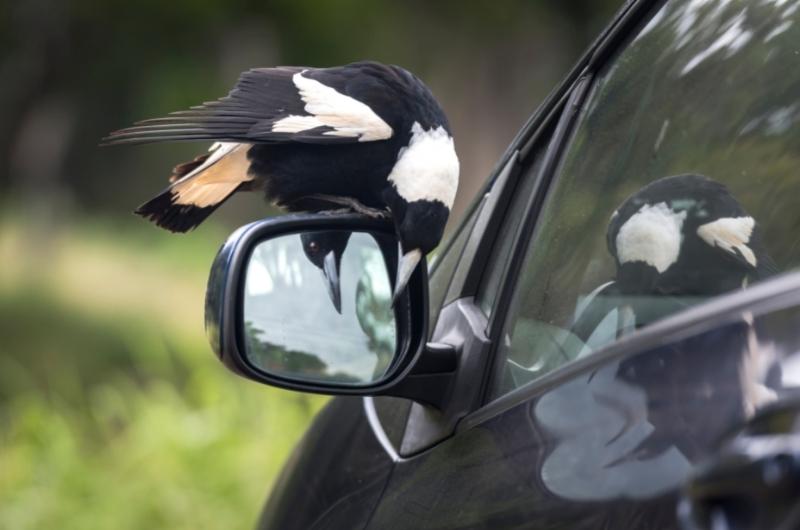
(313, 247)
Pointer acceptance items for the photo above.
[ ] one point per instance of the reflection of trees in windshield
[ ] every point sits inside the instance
(709, 88)
(732, 116)
(278, 360)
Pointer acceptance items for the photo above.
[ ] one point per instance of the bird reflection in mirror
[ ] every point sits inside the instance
(324, 249)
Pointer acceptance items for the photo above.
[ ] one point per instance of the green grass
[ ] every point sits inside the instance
(113, 411)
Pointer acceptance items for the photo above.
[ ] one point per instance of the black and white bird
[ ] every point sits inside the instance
(685, 235)
(324, 249)
(681, 238)
(366, 136)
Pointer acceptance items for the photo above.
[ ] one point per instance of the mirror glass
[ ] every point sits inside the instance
(317, 307)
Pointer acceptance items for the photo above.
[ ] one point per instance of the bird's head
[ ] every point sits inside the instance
(422, 189)
(324, 249)
(687, 222)
(419, 226)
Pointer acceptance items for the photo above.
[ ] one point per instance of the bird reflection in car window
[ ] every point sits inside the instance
(675, 242)
(704, 96)
(685, 235)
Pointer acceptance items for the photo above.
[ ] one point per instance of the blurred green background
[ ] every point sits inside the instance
(113, 411)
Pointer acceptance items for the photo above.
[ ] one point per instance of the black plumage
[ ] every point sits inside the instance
(365, 136)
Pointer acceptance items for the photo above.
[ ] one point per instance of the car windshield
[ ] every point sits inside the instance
(681, 182)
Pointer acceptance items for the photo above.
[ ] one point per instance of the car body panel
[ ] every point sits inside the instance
(335, 476)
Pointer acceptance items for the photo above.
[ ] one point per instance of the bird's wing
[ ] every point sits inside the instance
(733, 237)
(286, 104)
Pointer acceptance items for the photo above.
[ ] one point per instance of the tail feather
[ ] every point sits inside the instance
(181, 170)
(200, 186)
(166, 212)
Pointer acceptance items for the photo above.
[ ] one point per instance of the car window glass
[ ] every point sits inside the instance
(443, 265)
(680, 184)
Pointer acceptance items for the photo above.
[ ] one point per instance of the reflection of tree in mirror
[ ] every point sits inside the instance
(276, 359)
(280, 361)
(375, 315)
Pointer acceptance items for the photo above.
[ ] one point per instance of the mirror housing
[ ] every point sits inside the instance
(418, 371)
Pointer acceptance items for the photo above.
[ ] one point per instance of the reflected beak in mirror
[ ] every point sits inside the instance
(330, 272)
(405, 267)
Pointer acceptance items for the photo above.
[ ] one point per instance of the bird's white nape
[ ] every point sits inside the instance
(652, 235)
(731, 234)
(427, 169)
(327, 107)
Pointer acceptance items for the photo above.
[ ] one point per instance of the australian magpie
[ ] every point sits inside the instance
(324, 249)
(679, 238)
(368, 136)
(685, 235)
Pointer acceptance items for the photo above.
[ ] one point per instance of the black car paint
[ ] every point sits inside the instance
(335, 476)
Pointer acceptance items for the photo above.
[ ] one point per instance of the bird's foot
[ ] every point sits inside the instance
(351, 205)
(335, 211)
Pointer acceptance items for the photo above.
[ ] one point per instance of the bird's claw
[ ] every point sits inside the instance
(336, 211)
(375, 213)
(351, 205)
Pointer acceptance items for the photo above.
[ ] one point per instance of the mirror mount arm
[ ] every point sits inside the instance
(431, 379)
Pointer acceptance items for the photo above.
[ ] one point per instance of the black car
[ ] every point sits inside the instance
(560, 365)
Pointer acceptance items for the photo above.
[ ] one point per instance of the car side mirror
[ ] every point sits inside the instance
(304, 302)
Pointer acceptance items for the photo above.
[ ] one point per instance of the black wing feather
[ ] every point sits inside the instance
(261, 97)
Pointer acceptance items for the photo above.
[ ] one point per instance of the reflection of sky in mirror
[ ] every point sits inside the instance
(286, 297)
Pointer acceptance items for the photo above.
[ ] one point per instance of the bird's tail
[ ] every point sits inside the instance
(196, 194)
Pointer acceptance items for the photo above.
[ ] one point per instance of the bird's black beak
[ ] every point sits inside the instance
(405, 267)
(330, 272)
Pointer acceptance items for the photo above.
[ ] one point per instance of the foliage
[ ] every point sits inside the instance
(113, 411)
